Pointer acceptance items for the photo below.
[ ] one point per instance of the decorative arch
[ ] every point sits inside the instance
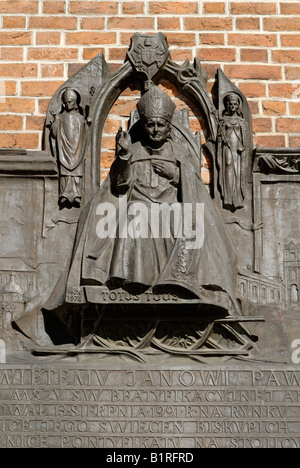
(189, 79)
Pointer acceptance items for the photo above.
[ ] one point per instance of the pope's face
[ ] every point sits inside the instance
(157, 130)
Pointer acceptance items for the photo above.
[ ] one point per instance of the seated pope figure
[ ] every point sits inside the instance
(157, 174)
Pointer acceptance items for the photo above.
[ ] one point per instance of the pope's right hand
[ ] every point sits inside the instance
(123, 141)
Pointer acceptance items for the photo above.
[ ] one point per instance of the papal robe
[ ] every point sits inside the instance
(207, 271)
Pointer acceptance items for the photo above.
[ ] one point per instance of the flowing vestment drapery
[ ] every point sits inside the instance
(209, 272)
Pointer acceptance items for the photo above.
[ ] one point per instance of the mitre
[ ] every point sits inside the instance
(156, 103)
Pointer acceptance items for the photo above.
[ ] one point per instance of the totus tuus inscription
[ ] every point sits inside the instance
(146, 408)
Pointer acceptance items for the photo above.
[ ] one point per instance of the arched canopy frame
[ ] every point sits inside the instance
(189, 78)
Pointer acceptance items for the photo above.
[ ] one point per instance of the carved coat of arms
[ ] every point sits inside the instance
(148, 53)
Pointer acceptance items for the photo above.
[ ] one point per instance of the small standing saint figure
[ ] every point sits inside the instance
(232, 144)
(69, 131)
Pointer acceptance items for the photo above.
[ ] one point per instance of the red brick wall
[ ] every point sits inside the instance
(42, 42)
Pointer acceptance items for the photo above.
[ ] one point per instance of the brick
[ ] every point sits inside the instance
(54, 8)
(107, 158)
(135, 23)
(260, 40)
(88, 38)
(168, 23)
(294, 142)
(290, 40)
(206, 176)
(90, 53)
(212, 38)
(253, 90)
(208, 164)
(288, 125)
(92, 23)
(262, 125)
(108, 142)
(270, 141)
(12, 53)
(52, 53)
(195, 125)
(134, 90)
(43, 105)
(259, 72)
(86, 7)
(170, 89)
(180, 55)
(253, 8)
(254, 107)
(219, 54)
(8, 88)
(292, 73)
(185, 103)
(11, 122)
(15, 38)
(18, 70)
(247, 23)
(214, 8)
(282, 90)
(203, 140)
(208, 24)
(112, 126)
(173, 8)
(294, 108)
(211, 69)
(282, 24)
(40, 88)
(14, 22)
(103, 174)
(17, 105)
(20, 140)
(48, 38)
(290, 8)
(125, 38)
(286, 56)
(211, 89)
(74, 68)
(123, 107)
(117, 54)
(181, 39)
(254, 55)
(52, 22)
(133, 8)
(52, 70)
(113, 67)
(19, 6)
(274, 108)
(34, 122)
